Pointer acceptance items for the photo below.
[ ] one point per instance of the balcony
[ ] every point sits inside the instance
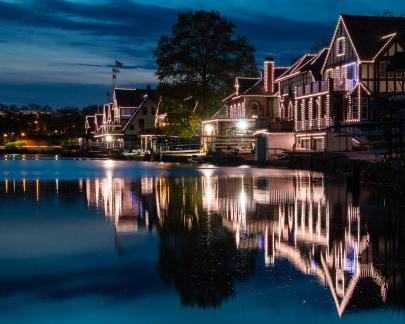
(343, 84)
(275, 125)
(313, 124)
(313, 88)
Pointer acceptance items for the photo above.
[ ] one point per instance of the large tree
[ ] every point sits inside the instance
(201, 58)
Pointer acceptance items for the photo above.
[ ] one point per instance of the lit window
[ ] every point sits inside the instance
(340, 46)
(254, 109)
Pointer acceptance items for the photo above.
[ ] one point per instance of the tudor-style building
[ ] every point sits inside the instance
(131, 113)
(254, 103)
(336, 96)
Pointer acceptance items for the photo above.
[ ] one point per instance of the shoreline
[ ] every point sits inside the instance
(390, 173)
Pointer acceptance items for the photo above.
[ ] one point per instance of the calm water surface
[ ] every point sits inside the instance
(118, 242)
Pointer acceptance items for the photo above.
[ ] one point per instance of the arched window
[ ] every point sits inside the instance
(254, 110)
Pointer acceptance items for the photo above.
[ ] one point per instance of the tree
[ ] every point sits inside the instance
(197, 254)
(201, 59)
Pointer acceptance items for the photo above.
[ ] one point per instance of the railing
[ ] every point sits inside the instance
(275, 125)
(343, 84)
(312, 88)
(313, 124)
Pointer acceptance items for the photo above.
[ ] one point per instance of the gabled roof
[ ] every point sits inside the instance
(246, 83)
(278, 71)
(307, 62)
(315, 64)
(130, 97)
(369, 34)
(297, 65)
(135, 113)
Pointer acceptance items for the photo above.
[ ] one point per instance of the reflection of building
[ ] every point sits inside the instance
(116, 197)
(297, 218)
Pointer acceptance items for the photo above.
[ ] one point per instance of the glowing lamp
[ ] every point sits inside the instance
(242, 124)
(108, 138)
(208, 128)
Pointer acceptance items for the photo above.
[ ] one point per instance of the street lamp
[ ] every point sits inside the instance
(208, 129)
(242, 124)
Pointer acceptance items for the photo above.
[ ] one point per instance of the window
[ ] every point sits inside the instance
(364, 108)
(383, 69)
(144, 110)
(340, 46)
(254, 109)
(355, 107)
(351, 71)
(141, 124)
(323, 107)
(315, 108)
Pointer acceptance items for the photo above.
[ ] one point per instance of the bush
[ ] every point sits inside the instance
(16, 144)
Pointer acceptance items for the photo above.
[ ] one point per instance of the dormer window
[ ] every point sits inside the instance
(340, 46)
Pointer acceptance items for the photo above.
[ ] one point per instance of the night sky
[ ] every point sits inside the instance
(60, 52)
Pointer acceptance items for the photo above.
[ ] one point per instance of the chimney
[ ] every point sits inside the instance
(269, 74)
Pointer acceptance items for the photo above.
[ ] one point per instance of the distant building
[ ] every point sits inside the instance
(131, 113)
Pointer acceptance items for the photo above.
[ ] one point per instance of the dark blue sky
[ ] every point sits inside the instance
(59, 52)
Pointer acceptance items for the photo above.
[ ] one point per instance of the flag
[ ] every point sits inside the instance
(118, 64)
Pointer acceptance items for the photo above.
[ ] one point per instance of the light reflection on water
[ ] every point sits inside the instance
(215, 231)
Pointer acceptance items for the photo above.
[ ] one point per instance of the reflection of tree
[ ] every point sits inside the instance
(196, 252)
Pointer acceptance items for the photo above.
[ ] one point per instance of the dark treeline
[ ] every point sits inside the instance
(33, 121)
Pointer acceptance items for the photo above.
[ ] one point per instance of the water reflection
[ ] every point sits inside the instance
(214, 231)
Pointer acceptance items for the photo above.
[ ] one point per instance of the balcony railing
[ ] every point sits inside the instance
(343, 84)
(312, 88)
(275, 125)
(313, 124)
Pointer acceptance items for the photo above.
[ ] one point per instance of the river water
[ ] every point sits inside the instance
(85, 241)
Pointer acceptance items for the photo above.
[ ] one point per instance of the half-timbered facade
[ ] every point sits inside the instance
(333, 96)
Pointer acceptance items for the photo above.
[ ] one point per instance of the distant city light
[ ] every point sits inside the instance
(242, 124)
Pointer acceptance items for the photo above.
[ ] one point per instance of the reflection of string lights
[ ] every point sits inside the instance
(294, 226)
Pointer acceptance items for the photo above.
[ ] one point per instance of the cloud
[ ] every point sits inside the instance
(117, 18)
(61, 41)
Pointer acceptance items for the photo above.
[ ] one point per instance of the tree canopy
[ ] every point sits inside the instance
(201, 58)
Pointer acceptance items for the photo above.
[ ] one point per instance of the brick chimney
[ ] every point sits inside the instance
(269, 74)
